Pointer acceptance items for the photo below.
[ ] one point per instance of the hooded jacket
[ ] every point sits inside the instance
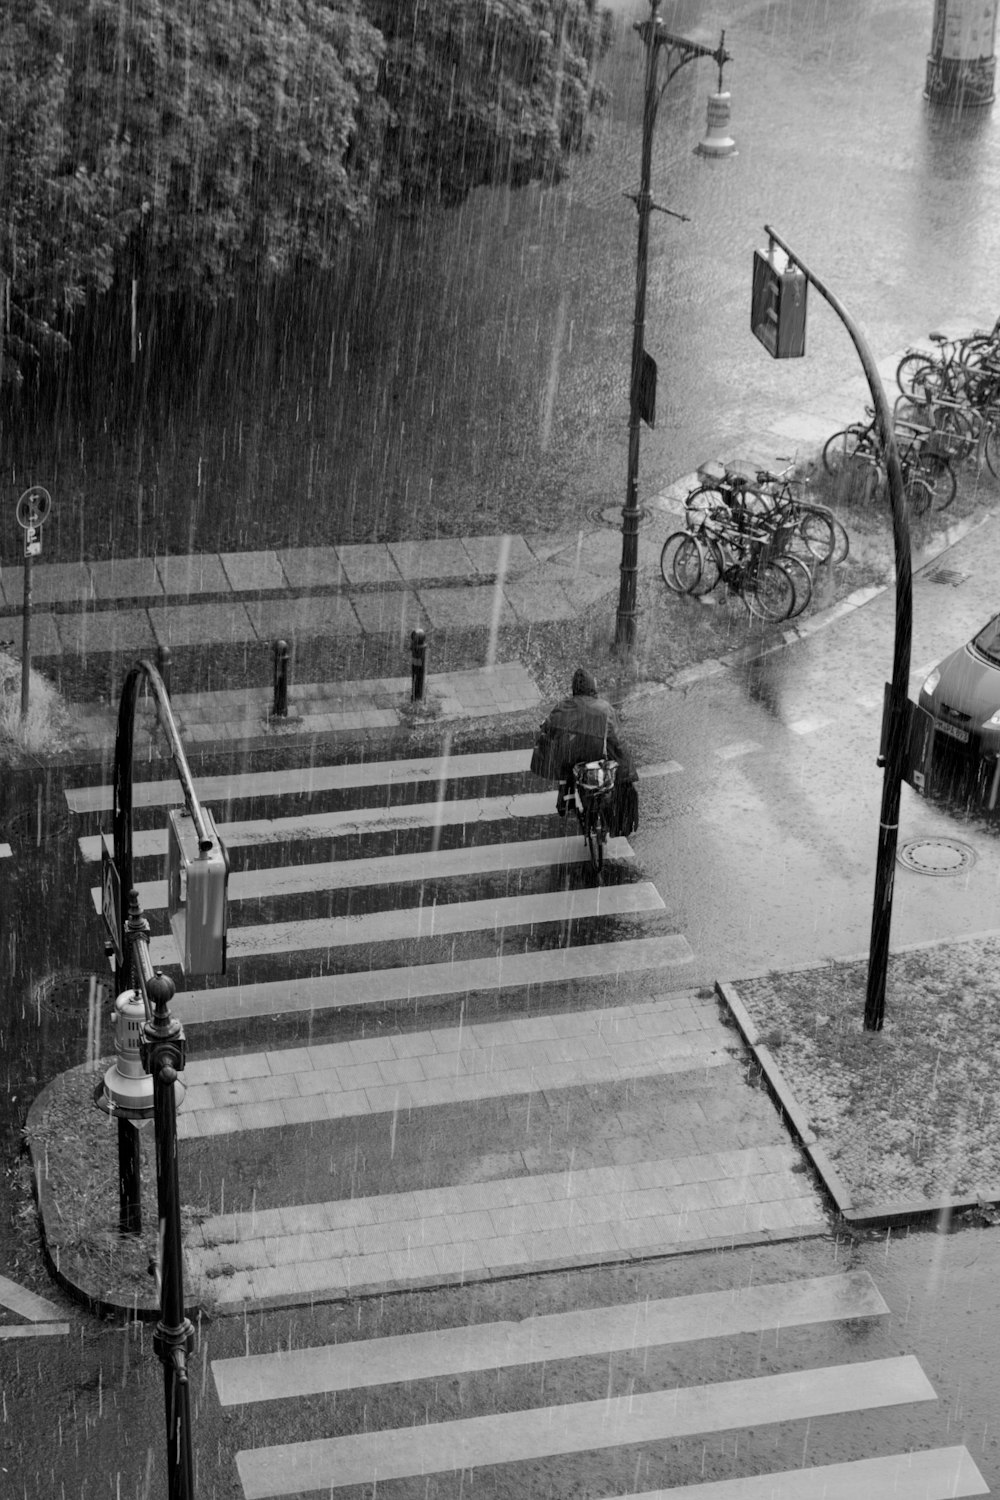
(585, 727)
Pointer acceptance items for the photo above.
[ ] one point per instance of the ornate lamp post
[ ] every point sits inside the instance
(642, 391)
(145, 1081)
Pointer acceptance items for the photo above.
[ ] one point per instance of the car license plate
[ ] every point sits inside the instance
(953, 731)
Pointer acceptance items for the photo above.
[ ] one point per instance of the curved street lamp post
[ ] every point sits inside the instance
(897, 711)
(642, 390)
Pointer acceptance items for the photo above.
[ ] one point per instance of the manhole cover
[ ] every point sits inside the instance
(936, 856)
(67, 996)
(611, 515)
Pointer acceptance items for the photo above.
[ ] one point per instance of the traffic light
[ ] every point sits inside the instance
(778, 305)
(196, 893)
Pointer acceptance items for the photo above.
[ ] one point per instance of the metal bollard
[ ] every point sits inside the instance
(279, 709)
(418, 665)
(163, 666)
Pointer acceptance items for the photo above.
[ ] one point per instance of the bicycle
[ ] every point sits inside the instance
(924, 456)
(823, 536)
(742, 559)
(955, 362)
(593, 784)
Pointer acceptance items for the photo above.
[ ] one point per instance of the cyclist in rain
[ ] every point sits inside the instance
(584, 727)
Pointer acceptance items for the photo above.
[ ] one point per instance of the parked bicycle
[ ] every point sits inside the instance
(924, 456)
(955, 364)
(749, 562)
(771, 502)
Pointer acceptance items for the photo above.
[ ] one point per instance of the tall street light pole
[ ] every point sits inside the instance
(642, 391)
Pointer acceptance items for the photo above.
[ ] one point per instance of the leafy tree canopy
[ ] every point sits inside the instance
(193, 145)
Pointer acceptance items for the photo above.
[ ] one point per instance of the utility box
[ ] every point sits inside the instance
(197, 880)
(778, 305)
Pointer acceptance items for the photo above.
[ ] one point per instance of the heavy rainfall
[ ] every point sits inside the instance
(515, 1152)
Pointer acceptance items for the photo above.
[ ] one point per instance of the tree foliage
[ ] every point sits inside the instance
(485, 90)
(191, 147)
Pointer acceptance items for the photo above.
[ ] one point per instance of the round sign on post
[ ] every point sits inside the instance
(33, 507)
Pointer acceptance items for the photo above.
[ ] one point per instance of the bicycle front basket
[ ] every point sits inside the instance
(942, 444)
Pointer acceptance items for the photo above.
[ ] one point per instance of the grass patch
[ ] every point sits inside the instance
(47, 727)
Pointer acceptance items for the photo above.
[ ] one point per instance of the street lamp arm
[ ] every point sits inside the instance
(680, 46)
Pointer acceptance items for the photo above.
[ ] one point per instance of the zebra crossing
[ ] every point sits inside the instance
(439, 906)
(615, 1412)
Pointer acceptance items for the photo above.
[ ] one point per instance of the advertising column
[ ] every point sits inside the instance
(961, 68)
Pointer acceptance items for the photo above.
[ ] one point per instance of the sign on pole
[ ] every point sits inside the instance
(111, 898)
(32, 512)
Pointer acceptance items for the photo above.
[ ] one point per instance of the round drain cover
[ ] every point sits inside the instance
(936, 856)
(611, 515)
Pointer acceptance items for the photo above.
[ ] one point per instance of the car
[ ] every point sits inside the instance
(962, 695)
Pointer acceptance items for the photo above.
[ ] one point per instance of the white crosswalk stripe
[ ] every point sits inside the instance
(578, 1427)
(257, 832)
(429, 921)
(44, 1318)
(594, 1330)
(640, 1420)
(308, 780)
(388, 869)
(504, 971)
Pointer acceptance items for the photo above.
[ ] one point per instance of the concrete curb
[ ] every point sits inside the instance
(887, 1216)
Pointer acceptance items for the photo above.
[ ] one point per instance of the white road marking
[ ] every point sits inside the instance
(579, 1427)
(427, 921)
(722, 752)
(390, 869)
(610, 961)
(533, 1340)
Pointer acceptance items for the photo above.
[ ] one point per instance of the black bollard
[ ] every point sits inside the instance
(280, 706)
(418, 665)
(163, 666)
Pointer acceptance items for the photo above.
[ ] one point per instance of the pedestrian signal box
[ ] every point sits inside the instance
(196, 893)
(778, 305)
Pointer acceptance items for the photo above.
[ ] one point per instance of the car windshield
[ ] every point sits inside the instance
(987, 642)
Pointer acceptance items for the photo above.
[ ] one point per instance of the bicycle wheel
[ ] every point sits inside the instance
(802, 583)
(844, 445)
(671, 547)
(818, 534)
(916, 489)
(842, 542)
(703, 502)
(597, 834)
(991, 445)
(912, 370)
(688, 560)
(712, 563)
(939, 476)
(768, 592)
